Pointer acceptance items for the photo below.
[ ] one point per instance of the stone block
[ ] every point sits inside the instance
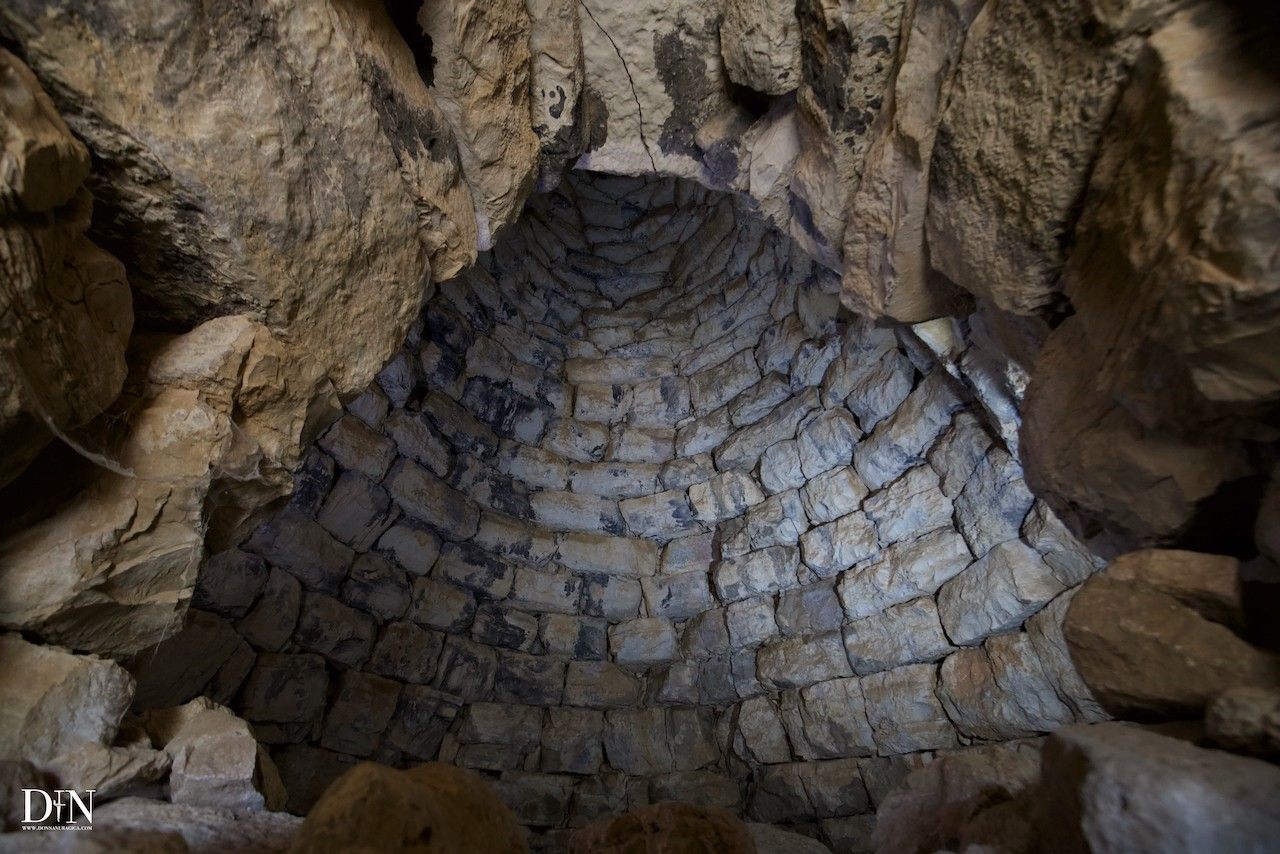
(697, 551)
(827, 441)
(833, 494)
(440, 605)
(661, 516)
(420, 722)
(229, 583)
(271, 622)
(300, 546)
(584, 638)
(572, 741)
(334, 630)
(725, 496)
(904, 712)
(780, 467)
(996, 593)
(601, 685)
(499, 626)
(466, 669)
(414, 549)
(358, 447)
(912, 505)
(908, 633)
(643, 642)
(475, 569)
(765, 571)
(828, 720)
(416, 439)
(534, 679)
(376, 586)
(546, 590)
(994, 502)
(800, 661)
(836, 546)
(569, 511)
(285, 689)
(407, 653)
(614, 479)
(359, 714)
(903, 572)
(423, 496)
(678, 596)
(580, 441)
(611, 555)
(811, 610)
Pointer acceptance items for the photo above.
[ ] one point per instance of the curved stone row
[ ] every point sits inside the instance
(632, 517)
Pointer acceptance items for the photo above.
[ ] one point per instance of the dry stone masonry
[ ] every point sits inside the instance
(613, 531)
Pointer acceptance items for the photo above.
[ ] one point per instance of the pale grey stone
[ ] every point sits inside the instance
(800, 661)
(912, 505)
(636, 741)
(576, 637)
(568, 511)
(676, 684)
(828, 720)
(661, 516)
(643, 642)
(834, 547)
(994, 502)
(827, 441)
(880, 391)
(535, 467)
(777, 521)
(641, 444)
(607, 370)
(901, 440)
(660, 402)
(1044, 629)
(1070, 560)
(903, 711)
(743, 449)
(997, 593)
(908, 633)
(751, 622)
(759, 400)
(958, 452)
(903, 572)
(614, 480)
(580, 441)
(590, 552)
(703, 434)
(705, 635)
(780, 467)
(678, 596)
(833, 494)
(398, 379)
(370, 407)
(810, 610)
(778, 345)
(712, 388)
(688, 553)
(414, 549)
(683, 473)
(604, 403)
(725, 496)
(509, 537)
(764, 571)
(762, 735)
(811, 361)
(610, 596)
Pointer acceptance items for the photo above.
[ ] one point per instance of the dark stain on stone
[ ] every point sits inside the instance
(678, 55)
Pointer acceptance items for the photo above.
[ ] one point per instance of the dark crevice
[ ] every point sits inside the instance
(405, 17)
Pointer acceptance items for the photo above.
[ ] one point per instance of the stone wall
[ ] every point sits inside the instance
(631, 517)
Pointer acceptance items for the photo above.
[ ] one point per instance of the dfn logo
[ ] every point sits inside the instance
(54, 804)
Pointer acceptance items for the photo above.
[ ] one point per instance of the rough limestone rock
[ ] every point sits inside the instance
(1113, 787)
(68, 312)
(481, 82)
(216, 761)
(1147, 640)
(218, 418)
(137, 822)
(62, 711)
(429, 807)
(760, 43)
(674, 828)
(266, 221)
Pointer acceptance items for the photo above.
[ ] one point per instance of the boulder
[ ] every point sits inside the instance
(760, 44)
(431, 807)
(146, 825)
(68, 308)
(1144, 640)
(1113, 787)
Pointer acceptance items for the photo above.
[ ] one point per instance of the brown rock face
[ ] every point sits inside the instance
(429, 808)
(66, 312)
(665, 829)
(1145, 641)
(225, 158)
